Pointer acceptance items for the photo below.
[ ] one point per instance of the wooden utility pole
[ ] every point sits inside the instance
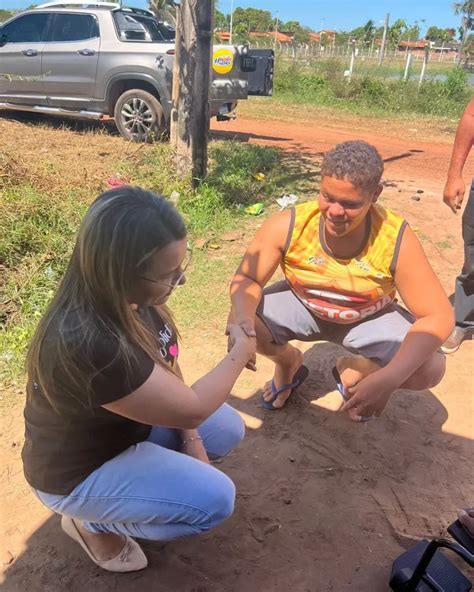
(191, 85)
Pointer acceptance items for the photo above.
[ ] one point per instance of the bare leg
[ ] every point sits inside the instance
(287, 360)
(353, 369)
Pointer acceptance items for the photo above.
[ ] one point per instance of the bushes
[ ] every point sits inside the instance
(326, 85)
(38, 226)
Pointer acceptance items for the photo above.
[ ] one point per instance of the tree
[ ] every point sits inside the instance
(437, 34)
(240, 34)
(396, 32)
(221, 20)
(466, 10)
(254, 19)
(5, 15)
(369, 32)
(300, 34)
(164, 10)
(412, 33)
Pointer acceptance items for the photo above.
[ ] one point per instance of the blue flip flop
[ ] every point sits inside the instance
(300, 376)
(340, 388)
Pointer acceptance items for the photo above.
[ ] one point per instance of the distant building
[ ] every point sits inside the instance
(326, 35)
(280, 37)
(414, 46)
(223, 35)
(439, 46)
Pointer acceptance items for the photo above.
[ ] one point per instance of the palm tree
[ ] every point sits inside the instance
(467, 10)
(164, 10)
(369, 32)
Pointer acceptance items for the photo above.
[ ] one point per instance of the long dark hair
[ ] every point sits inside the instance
(121, 230)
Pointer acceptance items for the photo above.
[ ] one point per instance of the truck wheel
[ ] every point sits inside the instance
(139, 116)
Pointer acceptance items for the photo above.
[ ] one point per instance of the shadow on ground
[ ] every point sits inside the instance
(323, 504)
(72, 124)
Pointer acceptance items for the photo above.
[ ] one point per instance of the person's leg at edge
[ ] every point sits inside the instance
(152, 492)
(374, 354)
(287, 360)
(464, 291)
(281, 318)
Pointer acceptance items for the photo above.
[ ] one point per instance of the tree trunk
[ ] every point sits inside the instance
(194, 67)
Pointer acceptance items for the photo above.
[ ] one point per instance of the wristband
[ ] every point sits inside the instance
(191, 439)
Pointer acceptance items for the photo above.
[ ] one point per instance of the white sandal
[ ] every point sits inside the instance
(130, 558)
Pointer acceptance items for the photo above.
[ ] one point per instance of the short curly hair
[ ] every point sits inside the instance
(355, 161)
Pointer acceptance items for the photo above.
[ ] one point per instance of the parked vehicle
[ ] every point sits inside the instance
(100, 60)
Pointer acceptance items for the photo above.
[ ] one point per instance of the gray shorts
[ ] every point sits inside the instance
(377, 337)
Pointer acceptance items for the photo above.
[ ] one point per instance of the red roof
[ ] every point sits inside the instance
(420, 44)
(280, 37)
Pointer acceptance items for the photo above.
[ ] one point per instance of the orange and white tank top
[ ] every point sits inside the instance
(342, 290)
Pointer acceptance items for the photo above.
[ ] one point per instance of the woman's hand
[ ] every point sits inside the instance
(195, 448)
(193, 445)
(370, 395)
(243, 336)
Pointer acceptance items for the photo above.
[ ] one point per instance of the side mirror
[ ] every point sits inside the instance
(3, 39)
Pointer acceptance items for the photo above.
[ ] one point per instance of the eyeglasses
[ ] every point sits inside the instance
(178, 281)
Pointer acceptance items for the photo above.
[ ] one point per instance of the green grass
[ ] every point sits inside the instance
(38, 228)
(325, 85)
(204, 300)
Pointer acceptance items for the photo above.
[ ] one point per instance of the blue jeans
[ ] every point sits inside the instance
(152, 491)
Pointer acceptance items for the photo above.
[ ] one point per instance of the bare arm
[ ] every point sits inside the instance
(165, 400)
(257, 267)
(424, 296)
(455, 188)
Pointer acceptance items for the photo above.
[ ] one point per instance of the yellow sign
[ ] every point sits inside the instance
(222, 61)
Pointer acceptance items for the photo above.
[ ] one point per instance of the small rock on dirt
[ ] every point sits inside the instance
(419, 191)
(232, 235)
(200, 243)
(7, 558)
(415, 198)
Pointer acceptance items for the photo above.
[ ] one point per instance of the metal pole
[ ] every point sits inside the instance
(231, 28)
(407, 66)
(384, 39)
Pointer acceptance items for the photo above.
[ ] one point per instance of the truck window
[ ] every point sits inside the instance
(74, 27)
(30, 28)
(137, 27)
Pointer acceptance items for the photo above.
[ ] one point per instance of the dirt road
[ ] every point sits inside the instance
(409, 153)
(323, 504)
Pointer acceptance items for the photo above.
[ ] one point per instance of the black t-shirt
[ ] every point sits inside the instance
(66, 442)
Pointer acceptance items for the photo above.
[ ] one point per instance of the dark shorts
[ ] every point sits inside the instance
(377, 337)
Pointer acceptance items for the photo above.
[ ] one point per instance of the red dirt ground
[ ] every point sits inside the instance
(323, 504)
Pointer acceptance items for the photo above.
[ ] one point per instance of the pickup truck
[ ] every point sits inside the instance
(101, 60)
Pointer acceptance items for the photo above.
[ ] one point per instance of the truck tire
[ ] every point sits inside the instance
(139, 116)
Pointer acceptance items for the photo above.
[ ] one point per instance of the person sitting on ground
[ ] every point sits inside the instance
(115, 441)
(344, 257)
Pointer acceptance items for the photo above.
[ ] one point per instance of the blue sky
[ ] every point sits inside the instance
(334, 14)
